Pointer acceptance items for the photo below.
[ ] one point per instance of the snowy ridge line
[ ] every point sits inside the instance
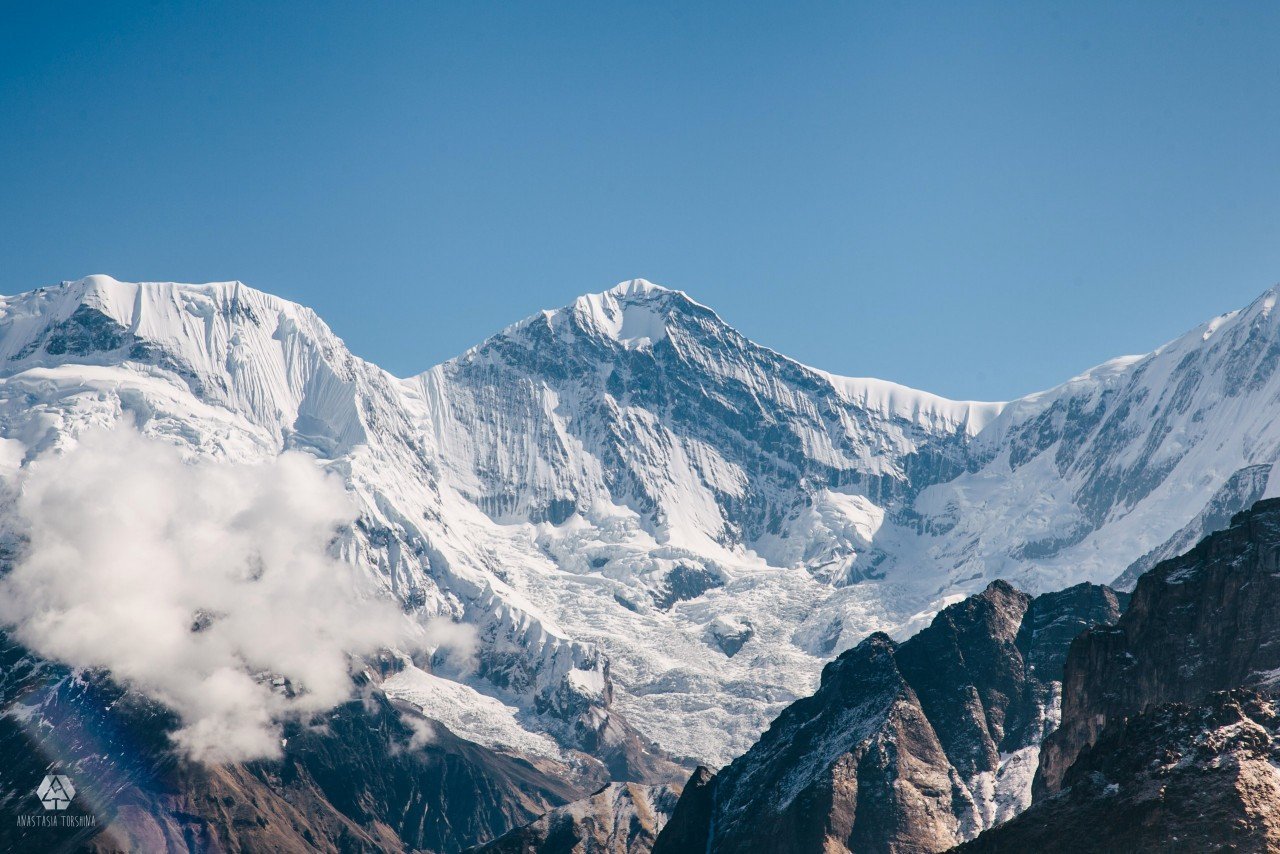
(649, 518)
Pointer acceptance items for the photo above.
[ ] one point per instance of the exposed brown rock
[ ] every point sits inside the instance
(353, 780)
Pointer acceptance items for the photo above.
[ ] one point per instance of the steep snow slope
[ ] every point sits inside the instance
(643, 399)
(696, 505)
(1139, 455)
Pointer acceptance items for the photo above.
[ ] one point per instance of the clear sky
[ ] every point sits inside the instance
(976, 199)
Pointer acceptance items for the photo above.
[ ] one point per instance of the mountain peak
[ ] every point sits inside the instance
(633, 313)
(632, 288)
(205, 328)
(141, 305)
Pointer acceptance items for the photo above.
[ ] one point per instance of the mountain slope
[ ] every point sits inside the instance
(1127, 464)
(1202, 622)
(642, 398)
(684, 499)
(621, 818)
(673, 467)
(1175, 778)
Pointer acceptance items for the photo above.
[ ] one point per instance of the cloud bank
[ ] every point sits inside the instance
(195, 583)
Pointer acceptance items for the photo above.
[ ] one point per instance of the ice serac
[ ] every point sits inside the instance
(904, 747)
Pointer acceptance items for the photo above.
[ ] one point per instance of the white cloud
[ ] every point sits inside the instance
(130, 547)
(423, 732)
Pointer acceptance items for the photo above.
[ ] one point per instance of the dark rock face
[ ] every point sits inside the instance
(623, 752)
(1052, 621)
(689, 825)
(686, 582)
(904, 747)
(730, 638)
(86, 331)
(353, 780)
(90, 335)
(856, 763)
(1206, 621)
(967, 670)
(621, 818)
(1176, 778)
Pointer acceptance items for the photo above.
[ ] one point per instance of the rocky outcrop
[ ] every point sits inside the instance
(368, 776)
(1176, 778)
(1206, 621)
(911, 747)
(1169, 734)
(857, 763)
(621, 818)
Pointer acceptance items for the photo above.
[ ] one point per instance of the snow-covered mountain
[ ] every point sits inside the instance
(1132, 462)
(641, 399)
(661, 530)
(684, 499)
(230, 372)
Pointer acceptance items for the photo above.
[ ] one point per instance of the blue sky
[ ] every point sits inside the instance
(976, 199)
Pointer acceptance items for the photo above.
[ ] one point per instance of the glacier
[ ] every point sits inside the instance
(660, 530)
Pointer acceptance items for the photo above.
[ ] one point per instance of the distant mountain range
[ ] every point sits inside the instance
(664, 532)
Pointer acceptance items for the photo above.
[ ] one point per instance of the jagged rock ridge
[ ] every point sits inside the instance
(621, 818)
(1206, 621)
(910, 747)
(1178, 777)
